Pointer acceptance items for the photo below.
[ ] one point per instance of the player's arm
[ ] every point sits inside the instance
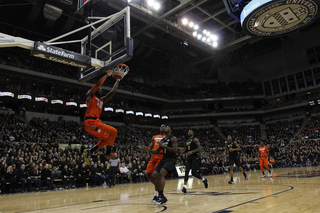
(267, 152)
(147, 149)
(198, 149)
(112, 92)
(90, 93)
(157, 151)
(236, 149)
(151, 144)
(174, 147)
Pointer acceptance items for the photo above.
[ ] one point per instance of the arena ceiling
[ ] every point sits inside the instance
(162, 43)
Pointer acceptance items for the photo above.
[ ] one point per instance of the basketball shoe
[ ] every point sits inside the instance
(184, 190)
(206, 184)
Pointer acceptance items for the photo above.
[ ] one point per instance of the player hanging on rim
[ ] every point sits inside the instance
(234, 157)
(92, 123)
(169, 145)
(263, 151)
(155, 159)
(192, 150)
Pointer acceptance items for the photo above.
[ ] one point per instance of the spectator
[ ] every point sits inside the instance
(67, 177)
(125, 171)
(46, 177)
(23, 177)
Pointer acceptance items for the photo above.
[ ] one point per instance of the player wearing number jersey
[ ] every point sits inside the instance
(169, 145)
(234, 157)
(192, 150)
(156, 158)
(263, 151)
(92, 123)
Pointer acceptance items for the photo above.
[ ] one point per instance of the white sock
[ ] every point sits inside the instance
(156, 193)
(185, 186)
(203, 179)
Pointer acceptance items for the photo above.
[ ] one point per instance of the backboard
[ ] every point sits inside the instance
(110, 43)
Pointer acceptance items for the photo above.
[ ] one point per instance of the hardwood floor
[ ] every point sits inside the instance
(289, 190)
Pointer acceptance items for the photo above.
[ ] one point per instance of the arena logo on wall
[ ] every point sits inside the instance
(270, 18)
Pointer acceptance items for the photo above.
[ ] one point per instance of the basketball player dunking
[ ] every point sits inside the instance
(192, 150)
(234, 158)
(169, 145)
(263, 151)
(92, 123)
(156, 158)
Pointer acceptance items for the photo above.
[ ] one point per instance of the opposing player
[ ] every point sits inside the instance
(155, 159)
(234, 157)
(263, 151)
(92, 123)
(169, 145)
(192, 150)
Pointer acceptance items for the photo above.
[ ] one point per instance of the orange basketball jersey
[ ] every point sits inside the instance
(263, 151)
(94, 107)
(156, 140)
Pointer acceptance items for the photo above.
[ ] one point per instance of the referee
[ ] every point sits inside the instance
(192, 150)
(114, 166)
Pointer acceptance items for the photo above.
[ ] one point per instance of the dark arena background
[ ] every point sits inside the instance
(248, 69)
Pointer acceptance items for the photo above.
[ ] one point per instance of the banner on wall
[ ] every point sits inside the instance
(41, 99)
(24, 97)
(56, 102)
(181, 170)
(8, 94)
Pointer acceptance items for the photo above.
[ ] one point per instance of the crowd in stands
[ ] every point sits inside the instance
(248, 134)
(31, 158)
(282, 131)
(312, 128)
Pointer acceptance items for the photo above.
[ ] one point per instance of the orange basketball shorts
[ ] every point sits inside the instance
(101, 131)
(264, 162)
(153, 164)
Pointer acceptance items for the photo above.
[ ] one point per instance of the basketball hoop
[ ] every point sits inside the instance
(120, 71)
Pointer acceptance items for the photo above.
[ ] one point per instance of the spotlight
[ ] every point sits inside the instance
(191, 24)
(214, 37)
(204, 32)
(151, 2)
(196, 27)
(215, 44)
(199, 36)
(208, 33)
(156, 6)
(184, 21)
(204, 38)
(208, 40)
(195, 33)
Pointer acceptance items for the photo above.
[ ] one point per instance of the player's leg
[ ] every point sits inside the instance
(156, 178)
(107, 135)
(261, 164)
(186, 175)
(149, 171)
(267, 166)
(237, 162)
(195, 172)
(161, 183)
(231, 174)
(168, 166)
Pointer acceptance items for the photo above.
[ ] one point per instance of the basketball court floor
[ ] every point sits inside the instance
(290, 190)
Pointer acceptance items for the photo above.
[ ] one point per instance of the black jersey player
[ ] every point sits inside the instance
(169, 145)
(192, 150)
(234, 157)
